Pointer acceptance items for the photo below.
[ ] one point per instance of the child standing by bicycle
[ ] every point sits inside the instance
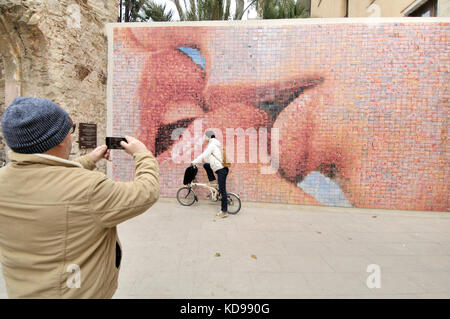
(215, 162)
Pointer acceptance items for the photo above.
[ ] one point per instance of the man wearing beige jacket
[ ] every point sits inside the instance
(58, 218)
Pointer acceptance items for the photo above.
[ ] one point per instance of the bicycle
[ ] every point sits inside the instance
(186, 196)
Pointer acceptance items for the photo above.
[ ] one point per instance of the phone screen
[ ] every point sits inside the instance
(114, 142)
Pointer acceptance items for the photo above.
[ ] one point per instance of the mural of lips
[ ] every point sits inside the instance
(360, 112)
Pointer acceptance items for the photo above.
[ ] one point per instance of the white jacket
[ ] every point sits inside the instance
(214, 147)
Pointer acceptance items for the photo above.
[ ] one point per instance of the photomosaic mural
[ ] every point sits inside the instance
(321, 112)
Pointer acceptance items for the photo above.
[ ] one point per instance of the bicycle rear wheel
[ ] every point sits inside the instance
(234, 203)
(186, 196)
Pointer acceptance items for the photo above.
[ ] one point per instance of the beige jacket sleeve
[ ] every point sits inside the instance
(86, 161)
(112, 203)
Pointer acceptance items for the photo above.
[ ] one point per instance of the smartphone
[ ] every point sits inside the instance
(114, 142)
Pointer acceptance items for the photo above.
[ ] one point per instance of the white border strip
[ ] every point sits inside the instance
(109, 89)
(263, 22)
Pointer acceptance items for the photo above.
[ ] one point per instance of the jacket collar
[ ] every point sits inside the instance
(27, 159)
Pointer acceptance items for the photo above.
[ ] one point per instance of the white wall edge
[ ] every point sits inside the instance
(109, 90)
(263, 22)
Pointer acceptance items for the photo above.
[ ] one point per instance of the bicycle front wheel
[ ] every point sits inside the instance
(234, 203)
(186, 196)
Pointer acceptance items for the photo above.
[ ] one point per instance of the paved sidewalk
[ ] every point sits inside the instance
(301, 252)
(283, 251)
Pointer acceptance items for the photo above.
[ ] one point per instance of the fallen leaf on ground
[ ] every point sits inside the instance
(253, 256)
(217, 254)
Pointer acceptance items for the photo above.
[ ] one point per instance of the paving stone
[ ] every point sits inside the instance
(163, 259)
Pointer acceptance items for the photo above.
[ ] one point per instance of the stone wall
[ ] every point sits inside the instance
(2, 106)
(57, 49)
(328, 8)
(380, 8)
(443, 8)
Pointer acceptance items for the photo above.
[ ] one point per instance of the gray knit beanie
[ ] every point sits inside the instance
(34, 125)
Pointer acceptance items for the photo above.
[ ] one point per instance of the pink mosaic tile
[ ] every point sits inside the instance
(361, 111)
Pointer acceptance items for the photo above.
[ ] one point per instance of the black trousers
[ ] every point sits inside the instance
(222, 181)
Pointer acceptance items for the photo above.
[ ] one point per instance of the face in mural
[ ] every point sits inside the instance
(358, 123)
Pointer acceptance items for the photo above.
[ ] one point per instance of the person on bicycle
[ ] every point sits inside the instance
(213, 158)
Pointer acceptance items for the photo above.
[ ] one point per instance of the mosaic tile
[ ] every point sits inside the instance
(361, 112)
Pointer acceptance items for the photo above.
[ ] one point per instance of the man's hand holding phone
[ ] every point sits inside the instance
(101, 152)
(132, 145)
